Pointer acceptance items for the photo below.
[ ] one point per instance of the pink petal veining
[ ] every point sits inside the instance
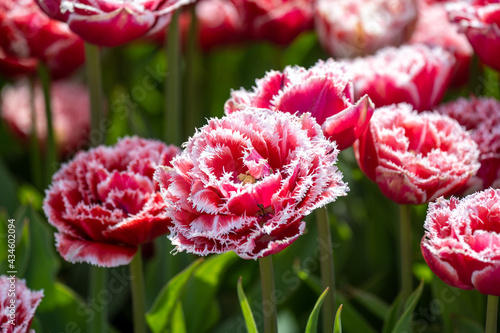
(244, 183)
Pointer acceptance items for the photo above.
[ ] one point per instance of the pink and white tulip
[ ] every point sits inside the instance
(325, 91)
(112, 22)
(480, 116)
(245, 182)
(414, 74)
(461, 244)
(361, 27)
(415, 158)
(104, 203)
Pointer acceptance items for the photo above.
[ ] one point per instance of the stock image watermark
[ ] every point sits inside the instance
(11, 274)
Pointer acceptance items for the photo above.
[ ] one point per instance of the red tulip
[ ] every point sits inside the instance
(461, 244)
(70, 104)
(361, 27)
(28, 35)
(415, 158)
(17, 305)
(324, 90)
(414, 74)
(480, 21)
(434, 29)
(236, 21)
(104, 203)
(481, 116)
(245, 182)
(112, 23)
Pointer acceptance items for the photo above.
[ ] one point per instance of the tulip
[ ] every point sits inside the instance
(104, 203)
(17, 304)
(325, 90)
(480, 21)
(414, 74)
(27, 36)
(69, 110)
(245, 182)
(480, 116)
(416, 158)
(361, 27)
(112, 23)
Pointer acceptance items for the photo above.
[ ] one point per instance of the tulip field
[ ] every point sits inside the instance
(249, 166)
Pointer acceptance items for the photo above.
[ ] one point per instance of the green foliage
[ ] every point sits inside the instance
(245, 308)
(312, 323)
(338, 322)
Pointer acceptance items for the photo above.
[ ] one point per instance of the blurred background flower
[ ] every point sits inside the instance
(347, 29)
(27, 35)
(70, 103)
(112, 23)
(414, 74)
(480, 116)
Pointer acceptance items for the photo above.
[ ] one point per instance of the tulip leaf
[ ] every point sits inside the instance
(245, 308)
(402, 323)
(23, 247)
(370, 302)
(337, 328)
(463, 324)
(43, 261)
(69, 313)
(164, 306)
(312, 322)
(353, 320)
(178, 324)
(201, 291)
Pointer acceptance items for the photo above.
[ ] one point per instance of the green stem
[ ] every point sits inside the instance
(35, 157)
(193, 116)
(94, 83)
(405, 250)
(138, 293)
(491, 314)
(268, 297)
(327, 267)
(173, 90)
(98, 284)
(51, 158)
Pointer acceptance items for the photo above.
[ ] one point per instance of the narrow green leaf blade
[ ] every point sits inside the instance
(312, 323)
(404, 323)
(245, 308)
(164, 306)
(338, 322)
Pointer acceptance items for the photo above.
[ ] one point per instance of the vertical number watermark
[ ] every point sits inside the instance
(11, 272)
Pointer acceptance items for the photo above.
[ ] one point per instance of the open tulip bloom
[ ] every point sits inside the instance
(324, 90)
(245, 182)
(480, 21)
(105, 203)
(461, 244)
(112, 22)
(415, 158)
